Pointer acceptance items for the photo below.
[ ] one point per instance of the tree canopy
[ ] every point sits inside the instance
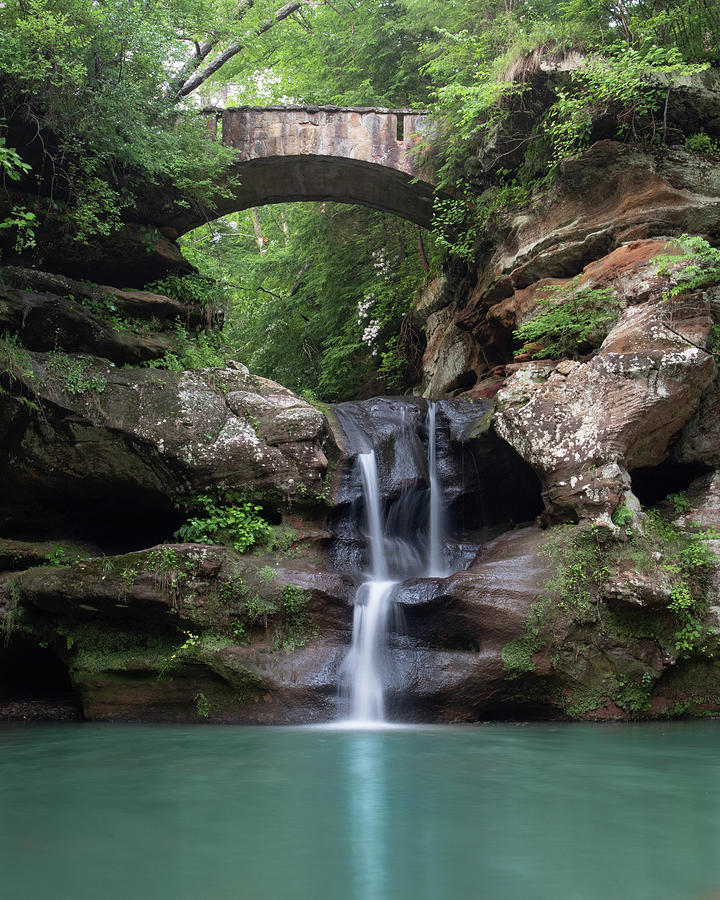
(319, 297)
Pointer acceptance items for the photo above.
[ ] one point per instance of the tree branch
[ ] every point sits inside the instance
(194, 81)
(202, 51)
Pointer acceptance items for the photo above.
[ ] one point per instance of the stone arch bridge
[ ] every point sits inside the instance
(360, 155)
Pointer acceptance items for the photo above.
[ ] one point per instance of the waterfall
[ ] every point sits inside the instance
(371, 488)
(437, 566)
(372, 607)
(363, 664)
(403, 534)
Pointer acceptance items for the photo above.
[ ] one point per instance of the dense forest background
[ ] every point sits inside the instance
(316, 296)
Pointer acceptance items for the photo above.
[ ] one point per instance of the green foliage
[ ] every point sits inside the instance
(204, 350)
(236, 521)
(622, 516)
(129, 575)
(266, 574)
(297, 626)
(93, 80)
(624, 80)
(687, 559)
(202, 705)
(75, 374)
(322, 302)
(702, 143)
(195, 290)
(99, 647)
(12, 609)
(170, 571)
(575, 322)
(584, 560)
(13, 167)
(280, 539)
(680, 502)
(580, 569)
(104, 308)
(697, 266)
(517, 655)
(61, 556)
(454, 226)
(15, 362)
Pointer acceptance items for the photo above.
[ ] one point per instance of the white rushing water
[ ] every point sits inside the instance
(364, 668)
(437, 566)
(372, 609)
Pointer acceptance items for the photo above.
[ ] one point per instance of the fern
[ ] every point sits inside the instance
(574, 323)
(697, 267)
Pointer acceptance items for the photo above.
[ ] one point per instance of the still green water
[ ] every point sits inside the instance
(104, 812)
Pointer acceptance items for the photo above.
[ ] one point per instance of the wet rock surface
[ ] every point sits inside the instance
(258, 637)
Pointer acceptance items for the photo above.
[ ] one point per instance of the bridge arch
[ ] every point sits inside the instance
(343, 154)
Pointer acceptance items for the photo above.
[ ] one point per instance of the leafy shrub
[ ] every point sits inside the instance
(204, 350)
(574, 321)
(61, 556)
(702, 143)
(697, 266)
(622, 516)
(238, 523)
(13, 166)
(196, 290)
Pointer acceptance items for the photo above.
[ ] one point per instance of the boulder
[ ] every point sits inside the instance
(585, 426)
(129, 303)
(79, 427)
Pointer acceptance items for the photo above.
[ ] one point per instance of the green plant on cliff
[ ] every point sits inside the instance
(574, 321)
(15, 361)
(12, 611)
(631, 83)
(702, 143)
(74, 374)
(202, 705)
(170, 570)
(62, 556)
(688, 560)
(572, 601)
(236, 520)
(695, 267)
(19, 218)
(297, 626)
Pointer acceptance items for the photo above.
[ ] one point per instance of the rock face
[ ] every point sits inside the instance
(588, 424)
(599, 223)
(186, 632)
(92, 429)
(125, 327)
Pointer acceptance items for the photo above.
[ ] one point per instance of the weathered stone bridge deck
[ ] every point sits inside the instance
(358, 155)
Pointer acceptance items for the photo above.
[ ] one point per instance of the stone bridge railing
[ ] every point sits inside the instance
(352, 155)
(384, 137)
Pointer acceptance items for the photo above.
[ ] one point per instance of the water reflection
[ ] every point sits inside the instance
(368, 825)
